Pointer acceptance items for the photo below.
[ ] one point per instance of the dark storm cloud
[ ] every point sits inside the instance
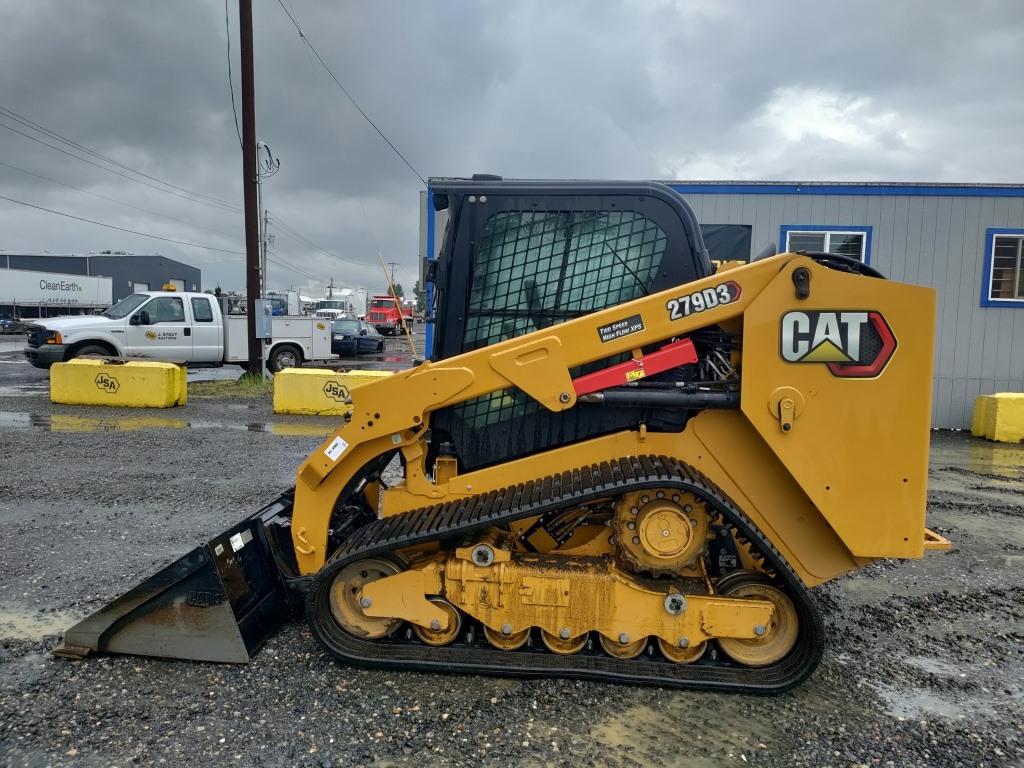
(879, 90)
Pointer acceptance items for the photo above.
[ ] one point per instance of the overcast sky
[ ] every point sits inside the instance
(900, 91)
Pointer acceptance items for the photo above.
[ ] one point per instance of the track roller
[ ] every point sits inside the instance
(512, 641)
(566, 646)
(681, 655)
(623, 650)
(435, 635)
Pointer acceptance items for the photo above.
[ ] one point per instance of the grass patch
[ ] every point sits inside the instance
(248, 386)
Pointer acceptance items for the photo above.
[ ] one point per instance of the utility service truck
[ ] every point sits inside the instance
(188, 328)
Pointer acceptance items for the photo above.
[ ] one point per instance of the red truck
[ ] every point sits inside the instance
(384, 315)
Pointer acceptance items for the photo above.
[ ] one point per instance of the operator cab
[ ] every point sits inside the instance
(520, 256)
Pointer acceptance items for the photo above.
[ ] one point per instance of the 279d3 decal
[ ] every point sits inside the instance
(699, 301)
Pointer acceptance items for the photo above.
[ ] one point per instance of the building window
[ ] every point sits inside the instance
(852, 241)
(1003, 282)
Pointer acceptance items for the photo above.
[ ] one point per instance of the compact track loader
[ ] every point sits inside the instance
(620, 464)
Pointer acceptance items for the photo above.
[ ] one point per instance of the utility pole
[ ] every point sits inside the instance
(250, 181)
(392, 264)
(330, 289)
(264, 241)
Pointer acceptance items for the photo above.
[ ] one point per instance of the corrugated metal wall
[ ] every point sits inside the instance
(934, 241)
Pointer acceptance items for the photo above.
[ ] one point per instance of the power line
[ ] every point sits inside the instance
(111, 170)
(348, 95)
(278, 259)
(231, 81)
(299, 238)
(120, 229)
(289, 231)
(11, 114)
(115, 200)
(187, 194)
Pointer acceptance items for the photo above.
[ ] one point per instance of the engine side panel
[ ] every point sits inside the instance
(853, 361)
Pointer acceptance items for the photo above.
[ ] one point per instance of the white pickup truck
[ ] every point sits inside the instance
(187, 328)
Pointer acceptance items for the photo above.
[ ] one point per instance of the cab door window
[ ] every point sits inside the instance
(202, 310)
(166, 309)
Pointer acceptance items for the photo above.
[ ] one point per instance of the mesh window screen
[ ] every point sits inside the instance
(537, 269)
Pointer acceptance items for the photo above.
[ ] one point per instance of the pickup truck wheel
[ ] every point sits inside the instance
(285, 356)
(91, 349)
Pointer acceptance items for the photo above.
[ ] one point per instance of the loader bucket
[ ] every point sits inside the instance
(220, 602)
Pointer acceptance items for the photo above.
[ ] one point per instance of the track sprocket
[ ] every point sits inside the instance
(660, 531)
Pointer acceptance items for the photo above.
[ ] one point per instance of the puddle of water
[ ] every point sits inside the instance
(227, 373)
(23, 391)
(916, 704)
(71, 423)
(286, 429)
(983, 457)
(934, 666)
(26, 625)
(640, 732)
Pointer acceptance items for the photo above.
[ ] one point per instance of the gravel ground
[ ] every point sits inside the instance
(924, 665)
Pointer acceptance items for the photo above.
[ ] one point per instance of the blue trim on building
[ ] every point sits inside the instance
(867, 230)
(428, 343)
(897, 190)
(986, 275)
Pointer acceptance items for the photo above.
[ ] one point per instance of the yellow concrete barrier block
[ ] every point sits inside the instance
(1008, 419)
(128, 385)
(999, 417)
(317, 392)
(984, 411)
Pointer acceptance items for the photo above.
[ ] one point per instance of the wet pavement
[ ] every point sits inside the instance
(924, 664)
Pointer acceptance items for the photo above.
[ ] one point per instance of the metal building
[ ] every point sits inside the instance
(963, 239)
(128, 272)
(966, 240)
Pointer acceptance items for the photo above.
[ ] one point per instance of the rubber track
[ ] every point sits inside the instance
(453, 521)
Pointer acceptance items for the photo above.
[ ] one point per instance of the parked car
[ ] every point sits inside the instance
(10, 325)
(355, 337)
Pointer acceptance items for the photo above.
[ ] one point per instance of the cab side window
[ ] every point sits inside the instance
(166, 309)
(202, 310)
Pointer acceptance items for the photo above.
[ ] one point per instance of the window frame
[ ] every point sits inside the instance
(988, 257)
(828, 229)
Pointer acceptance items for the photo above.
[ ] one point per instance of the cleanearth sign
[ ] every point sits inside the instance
(26, 288)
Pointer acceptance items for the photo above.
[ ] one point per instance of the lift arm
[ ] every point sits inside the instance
(392, 412)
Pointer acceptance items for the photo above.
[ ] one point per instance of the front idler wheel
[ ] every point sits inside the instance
(774, 641)
(347, 602)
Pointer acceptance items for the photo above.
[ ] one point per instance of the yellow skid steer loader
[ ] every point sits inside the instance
(618, 464)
